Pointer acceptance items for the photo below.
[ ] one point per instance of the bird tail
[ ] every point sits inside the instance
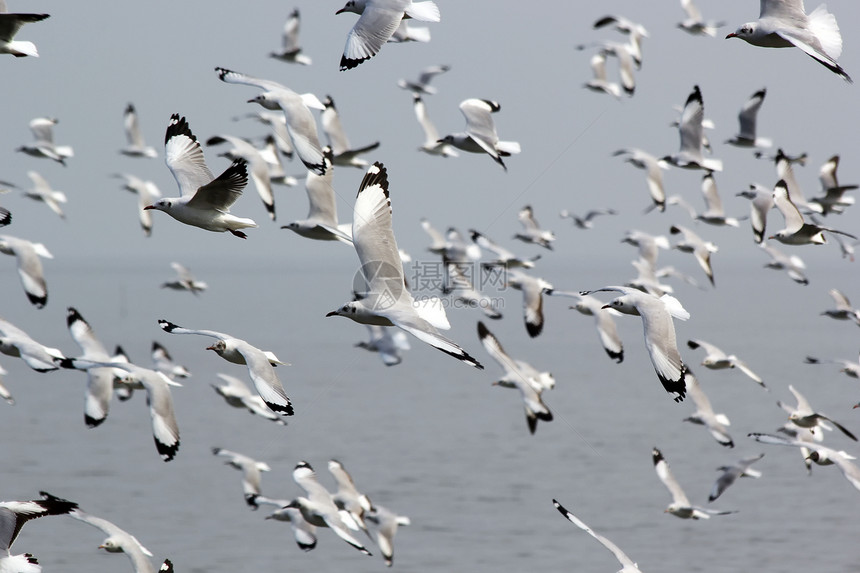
(823, 25)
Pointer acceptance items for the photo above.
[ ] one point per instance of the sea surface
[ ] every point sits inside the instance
(431, 438)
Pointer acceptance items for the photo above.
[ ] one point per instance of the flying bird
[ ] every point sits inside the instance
(43, 192)
(690, 129)
(241, 150)
(147, 194)
(342, 152)
(432, 144)
(10, 23)
(291, 51)
(531, 231)
(627, 564)
(422, 84)
(184, 280)
(680, 506)
(136, 145)
(716, 359)
(797, 231)
(480, 135)
(716, 424)
(746, 136)
(30, 271)
(731, 473)
(694, 24)
(13, 516)
(43, 145)
(250, 469)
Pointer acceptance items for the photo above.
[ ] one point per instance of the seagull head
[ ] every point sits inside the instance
(265, 100)
(111, 545)
(347, 310)
(219, 347)
(354, 6)
(160, 205)
(745, 32)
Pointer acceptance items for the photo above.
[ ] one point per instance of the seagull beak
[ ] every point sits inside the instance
(732, 35)
(149, 207)
(332, 313)
(601, 308)
(341, 11)
(210, 348)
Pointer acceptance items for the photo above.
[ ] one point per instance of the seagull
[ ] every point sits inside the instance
(761, 202)
(347, 497)
(13, 516)
(459, 285)
(803, 416)
(690, 128)
(716, 359)
(147, 194)
(387, 341)
(647, 244)
(184, 281)
(842, 309)
(318, 508)
(741, 468)
(653, 166)
(694, 24)
(714, 214)
(164, 363)
(407, 33)
(532, 289)
(793, 265)
(42, 129)
(820, 455)
(118, 541)
(29, 266)
(635, 32)
(237, 394)
(626, 63)
(480, 135)
(100, 380)
(659, 331)
(693, 243)
(260, 364)
(797, 231)
(432, 144)
(504, 257)
(18, 344)
(387, 301)
(241, 150)
(377, 22)
(205, 200)
(321, 223)
(9, 26)
(342, 152)
(422, 84)
(250, 469)
(646, 279)
(584, 222)
(849, 368)
(627, 564)
(680, 506)
(834, 199)
(785, 24)
(290, 51)
(136, 146)
(303, 532)
(606, 329)
(746, 137)
(43, 192)
(301, 126)
(785, 171)
(598, 83)
(532, 233)
(387, 523)
(520, 375)
(717, 424)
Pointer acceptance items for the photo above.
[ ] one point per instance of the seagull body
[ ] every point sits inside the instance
(422, 84)
(387, 341)
(803, 416)
(241, 150)
(834, 199)
(301, 126)
(387, 523)
(18, 344)
(30, 271)
(797, 231)
(680, 506)
(43, 192)
(432, 144)
(690, 129)
(741, 468)
(626, 63)
(378, 21)
(842, 309)
(250, 469)
(318, 508)
(627, 564)
(290, 51)
(164, 363)
(480, 135)
(9, 26)
(504, 257)
(714, 214)
(13, 516)
(647, 245)
(259, 364)
(531, 231)
(407, 33)
(716, 359)
(342, 152)
(100, 380)
(785, 24)
(761, 202)
(717, 424)
(237, 394)
(147, 194)
(532, 289)
(599, 83)
(746, 136)
(584, 222)
(659, 331)
(321, 223)
(136, 145)
(118, 541)
(693, 243)
(520, 375)
(205, 200)
(606, 329)
(791, 264)
(42, 129)
(347, 497)
(653, 167)
(303, 532)
(694, 23)
(387, 301)
(635, 33)
(184, 281)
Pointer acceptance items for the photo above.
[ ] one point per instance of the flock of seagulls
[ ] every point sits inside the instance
(395, 311)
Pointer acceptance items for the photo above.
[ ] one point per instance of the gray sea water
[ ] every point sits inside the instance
(431, 438)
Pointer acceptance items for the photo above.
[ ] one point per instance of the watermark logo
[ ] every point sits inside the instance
(387, 281)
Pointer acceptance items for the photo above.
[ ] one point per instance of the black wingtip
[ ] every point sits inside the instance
(618, 357)
(656, 456)
(534, 329)
(280, 408)
(349, 63)
(167, 452)
(376, 175)
(37, 301)
(167, 326)
(89, 420)
(178, 126)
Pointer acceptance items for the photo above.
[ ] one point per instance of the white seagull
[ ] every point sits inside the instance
(342, 152)
(532, 232)
(740, 468)
(653, 167)
(746, 136)
(42, 129)
(797, 231)
(504, 257)
(205, 200)
(716, 359)
(118, 541)
(422, 84)
(458, 284)
(532, 289)
(164, 363)
(584, 222)
(761, 202)
(387, 523)
(250, 469)
(694, 23)
(606, 329)
(347, 497)
(785, 24)
(100, 380)
(237, 394)
(803, 416)
(304, 533)
(136, 146)
(147, 194)
(184, 280)
(791, 264)
(9, 26)
(842, 309)
(387, 301)
(301, 126)
(627, 564)
(598, 83)
(480, 135)
(659, 331)
(378, 21)
(257, 166)
(680, 506)
(834, 199)
(717, 424)
(701, 249)
(647, 244)
(714, 213)
(432, 144)
(819, 454)
(30, 271)
(18, 344)
(388, 341)
(260, 364)
(13, 516)
(690, 129)
(291, 51)
(43, 192)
